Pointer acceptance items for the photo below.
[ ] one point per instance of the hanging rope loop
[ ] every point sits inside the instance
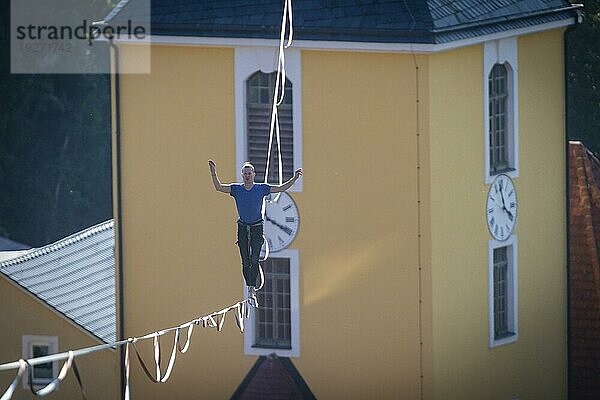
(279, 92)
(11, 389)
(49, 388)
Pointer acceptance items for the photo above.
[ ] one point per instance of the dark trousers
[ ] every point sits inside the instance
(250, 240)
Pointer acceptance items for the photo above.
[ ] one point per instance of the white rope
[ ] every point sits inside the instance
(213, 320)
(260, 270)
(9, 392)
(279, 92)
(186, 346)
(49, 388)
(126, 397)
(278, 97)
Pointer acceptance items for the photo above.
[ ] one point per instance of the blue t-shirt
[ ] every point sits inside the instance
(249, 202)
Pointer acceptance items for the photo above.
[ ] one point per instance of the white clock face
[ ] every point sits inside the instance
(501, 208)
(281, 221)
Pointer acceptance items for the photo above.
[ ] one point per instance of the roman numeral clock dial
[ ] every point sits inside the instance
(281, 221)
(501, 207)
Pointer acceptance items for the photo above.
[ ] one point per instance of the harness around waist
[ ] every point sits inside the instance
(256, 223)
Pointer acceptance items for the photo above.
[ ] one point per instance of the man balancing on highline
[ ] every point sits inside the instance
(248, 200)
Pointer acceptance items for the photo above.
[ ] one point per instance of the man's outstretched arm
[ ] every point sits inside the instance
(285, 186)
(215, 179)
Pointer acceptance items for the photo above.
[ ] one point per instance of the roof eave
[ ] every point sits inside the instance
(323, 34)
(574, 9)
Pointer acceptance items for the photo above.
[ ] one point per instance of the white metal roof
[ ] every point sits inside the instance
(75, 276)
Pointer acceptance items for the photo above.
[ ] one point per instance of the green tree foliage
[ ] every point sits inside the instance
(55, 162)
(583, 78)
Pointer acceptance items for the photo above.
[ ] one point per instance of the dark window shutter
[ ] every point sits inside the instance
(260, 88)
(498, 119)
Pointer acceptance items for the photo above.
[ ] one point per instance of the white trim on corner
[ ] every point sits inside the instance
(293, 255)
(351, 46)
(502, 51)
(513, 306)
(27, 353)
(248, 60)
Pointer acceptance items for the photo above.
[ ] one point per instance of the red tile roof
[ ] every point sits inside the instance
(273, 378)
(584, 273)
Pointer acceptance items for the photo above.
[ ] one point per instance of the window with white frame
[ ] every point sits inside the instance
(498, 119)
(255, 76)
(260, 89)
(39, 346)
(273, 327)
(501, 108)
(503, 315)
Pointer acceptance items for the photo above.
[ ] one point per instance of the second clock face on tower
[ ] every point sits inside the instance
(281, 221)
(501, 207)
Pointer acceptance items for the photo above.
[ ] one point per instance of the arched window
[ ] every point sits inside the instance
(498, 119)
(260, 88)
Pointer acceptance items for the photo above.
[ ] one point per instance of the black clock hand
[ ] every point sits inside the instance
(510, 215)
(502, 197)
(282, 227)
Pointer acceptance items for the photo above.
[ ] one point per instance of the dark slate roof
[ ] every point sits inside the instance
(11, 245)
(386, 21)
(273, 378)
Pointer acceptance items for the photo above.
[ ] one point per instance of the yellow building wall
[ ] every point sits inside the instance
(359, 249)
(179, 256)
(358, 241)
(464, 366)
(24, 315)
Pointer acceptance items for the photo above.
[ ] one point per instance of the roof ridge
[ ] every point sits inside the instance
(60, 244)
